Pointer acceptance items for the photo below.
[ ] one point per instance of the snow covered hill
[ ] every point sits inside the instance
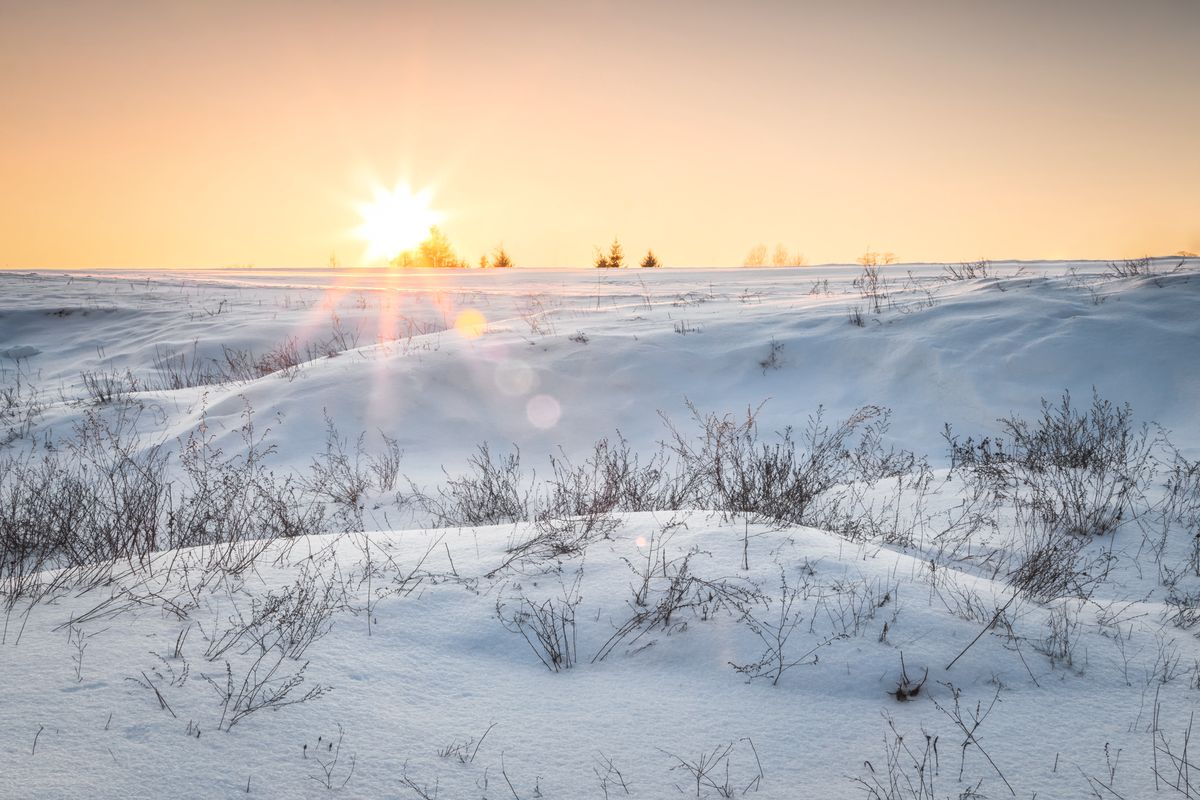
(647, 533)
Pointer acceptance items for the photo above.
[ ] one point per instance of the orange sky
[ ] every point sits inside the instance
(166, 134)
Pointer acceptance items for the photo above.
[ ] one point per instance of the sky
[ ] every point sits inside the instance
(152, 133)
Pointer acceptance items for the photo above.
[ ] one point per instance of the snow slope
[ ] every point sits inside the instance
(115, 690)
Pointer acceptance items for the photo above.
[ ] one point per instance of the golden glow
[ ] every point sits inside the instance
(152, 134)
(395, 220)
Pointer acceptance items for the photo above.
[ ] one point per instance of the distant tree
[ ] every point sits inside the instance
(872, 258)
(614, 258)
(615, 255)
(757, 257)
(500, 259)
(334, 263)
(483, 262)
(650, 262)
(781, 257)
(436, 251)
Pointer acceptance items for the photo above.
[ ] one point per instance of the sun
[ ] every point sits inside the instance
(395, 220)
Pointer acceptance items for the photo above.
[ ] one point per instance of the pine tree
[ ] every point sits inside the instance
(615, 255)
(483, 262)
(500, 259)
(601, 260)
(650, 262)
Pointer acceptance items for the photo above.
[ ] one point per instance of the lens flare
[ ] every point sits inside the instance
(470, 324)
(515, 378)
(543, 411)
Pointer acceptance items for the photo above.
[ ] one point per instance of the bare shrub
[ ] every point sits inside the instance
(1131, 267)
(232, 503)
(1062, 635)
(98, 499)
(289, 620)
(969, 721)
(1179, 508)
(683, 327)
(577, 503)
(873, 286)
(712, 769)
(774, 482)
(464, 751)
(386, 466)
(547, 626)
(491, 491)
(536, 317)
(327, 762)
(1085, 472)
(283, 359)
(339, 476)
(611, 776)
(773, 359)
(775, 628)
(849, 605)
(20, 406)
(670, 596)
(967, 270)
(1172, 764)
(104, 387)
(263, 685)
(103, 496)
(181, 370)
(1051, 563)
(907, 773)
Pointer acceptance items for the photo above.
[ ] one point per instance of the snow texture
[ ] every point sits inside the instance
(429, 682)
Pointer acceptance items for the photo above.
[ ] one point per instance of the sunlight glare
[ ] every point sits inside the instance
(395, 220)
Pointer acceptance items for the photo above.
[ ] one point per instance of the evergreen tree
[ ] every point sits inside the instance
(650, 261)
(615, 255)
(500, 259)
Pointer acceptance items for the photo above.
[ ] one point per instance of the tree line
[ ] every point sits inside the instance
(437, 252)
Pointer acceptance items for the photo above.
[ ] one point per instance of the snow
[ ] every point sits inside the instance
(418, 657)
